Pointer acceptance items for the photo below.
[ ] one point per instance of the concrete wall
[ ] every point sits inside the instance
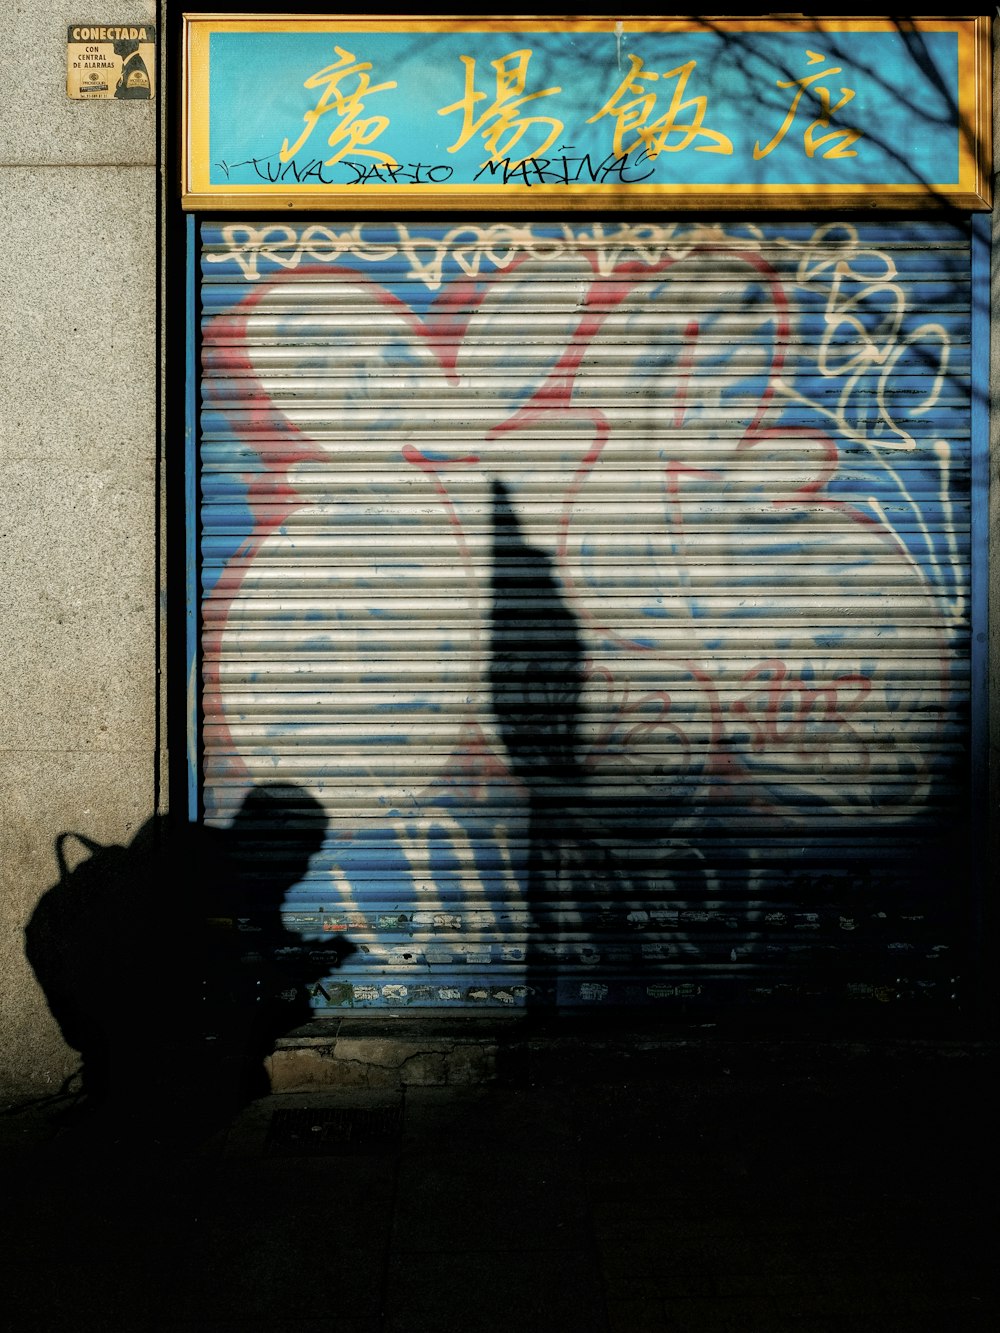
(78, 504)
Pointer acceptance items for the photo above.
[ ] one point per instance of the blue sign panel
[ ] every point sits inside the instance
(432, 113)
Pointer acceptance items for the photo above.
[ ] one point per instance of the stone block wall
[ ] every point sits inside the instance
(78, 501)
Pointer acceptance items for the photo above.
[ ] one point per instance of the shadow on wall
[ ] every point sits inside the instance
(536, 678)
(592, 836)
(167, 965)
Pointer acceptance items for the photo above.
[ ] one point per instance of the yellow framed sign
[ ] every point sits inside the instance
(440, 113)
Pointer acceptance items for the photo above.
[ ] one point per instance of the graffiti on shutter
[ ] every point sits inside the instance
(608, 586)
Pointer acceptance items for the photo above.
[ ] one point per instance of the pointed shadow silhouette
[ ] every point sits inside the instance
(536, 677)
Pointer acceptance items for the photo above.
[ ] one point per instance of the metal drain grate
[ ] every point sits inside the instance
(328, 1131)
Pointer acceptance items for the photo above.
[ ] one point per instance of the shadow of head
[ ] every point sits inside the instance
(277, 830)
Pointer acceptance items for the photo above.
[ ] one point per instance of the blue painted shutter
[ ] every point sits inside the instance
(607, 586)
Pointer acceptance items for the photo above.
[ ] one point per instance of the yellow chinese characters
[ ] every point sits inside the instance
(632, 104)
(352, 132)
(839, 141)
(503, 116)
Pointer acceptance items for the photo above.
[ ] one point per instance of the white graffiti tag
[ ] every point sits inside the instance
(759, 644)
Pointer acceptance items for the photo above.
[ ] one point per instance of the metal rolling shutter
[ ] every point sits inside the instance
(606, 584)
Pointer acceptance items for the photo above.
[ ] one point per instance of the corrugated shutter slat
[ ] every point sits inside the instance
(609, 591)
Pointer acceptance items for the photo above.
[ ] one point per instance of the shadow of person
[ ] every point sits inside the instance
(536, 679)
(257, 973)
(133, 82)
(168, 967)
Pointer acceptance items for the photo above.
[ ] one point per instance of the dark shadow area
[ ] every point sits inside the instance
(536, 677)
(699, 1184)
(167, 965)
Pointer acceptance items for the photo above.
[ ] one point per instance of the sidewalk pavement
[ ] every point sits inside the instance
(853, 1190)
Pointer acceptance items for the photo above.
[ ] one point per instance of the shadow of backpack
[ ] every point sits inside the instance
(74, 942)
